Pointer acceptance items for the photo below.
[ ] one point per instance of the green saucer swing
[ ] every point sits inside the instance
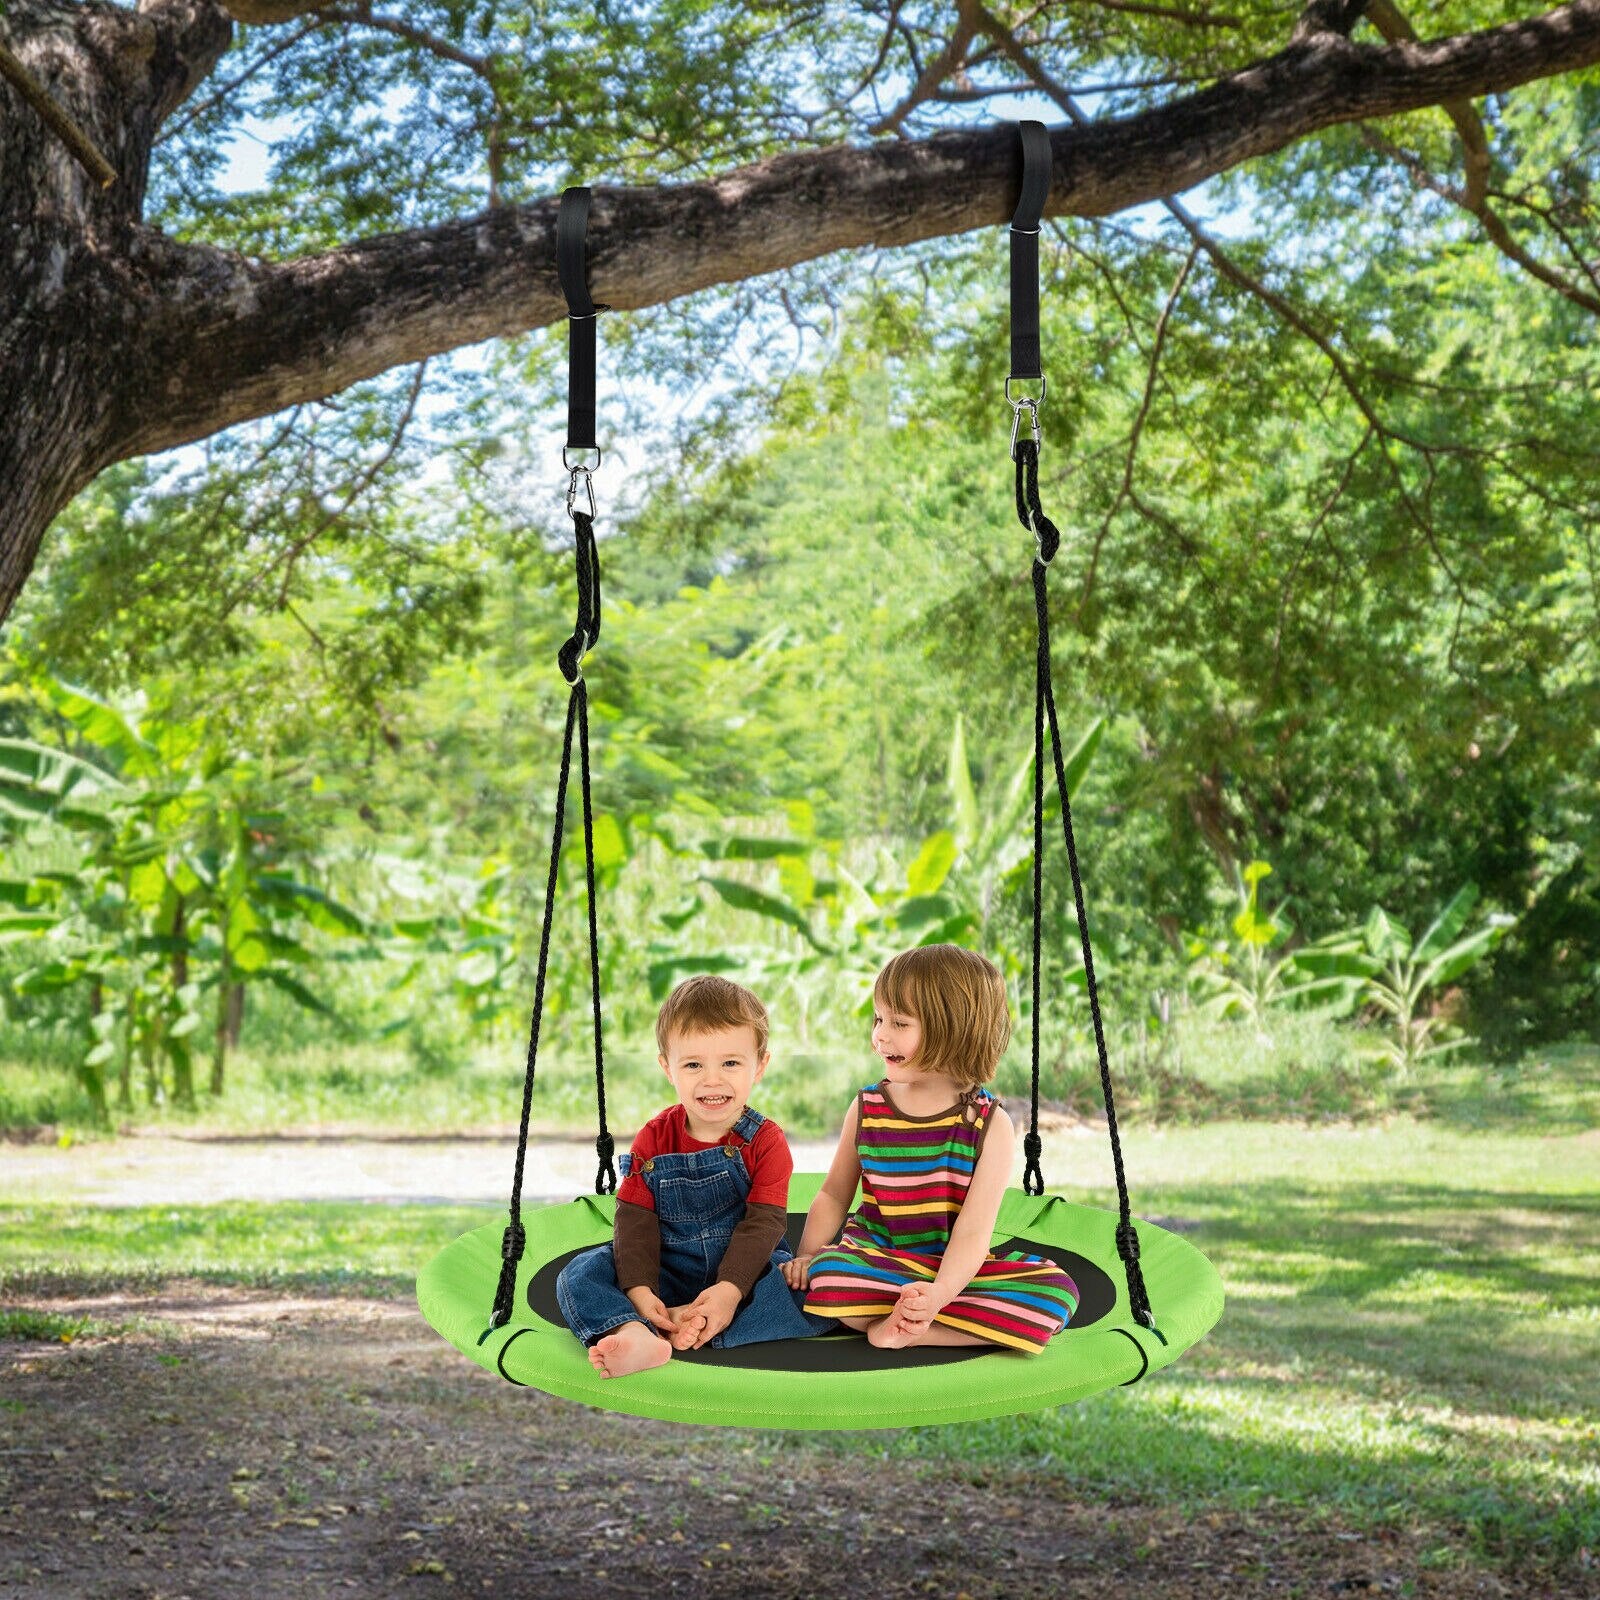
(836, 1380)
(491, 1293)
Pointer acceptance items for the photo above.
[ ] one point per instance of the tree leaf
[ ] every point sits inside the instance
(933, 863)
(963, 799)
(1448, 923)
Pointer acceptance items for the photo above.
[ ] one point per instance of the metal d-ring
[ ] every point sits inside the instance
(1038, 400)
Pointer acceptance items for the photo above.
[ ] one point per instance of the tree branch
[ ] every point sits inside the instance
(1153, 368)
(83, 148)
(237, 338)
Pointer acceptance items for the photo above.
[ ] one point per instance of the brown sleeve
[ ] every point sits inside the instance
(750, 1249)
(636, 1244)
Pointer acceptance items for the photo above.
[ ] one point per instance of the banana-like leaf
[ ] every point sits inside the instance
(1448, 923)
(49, 976)
(1077, 759)
(794, 878)
(963, 798)
(29, 891)
(42, 770)
(744, 898)
(319, 909)
(663, 974)
(933, 864)
(1385, 936)
(684, 914)
(298, 992)
(953, 930)
(1465, 953)
(922, 909)
(105, 727)
(610, 848)
(745, 849)
(1001, 837)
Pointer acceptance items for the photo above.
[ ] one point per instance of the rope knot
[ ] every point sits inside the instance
(570, 656)
(1127, 1242)
(605, 1180)
(1032, 1172)
(513, 1242)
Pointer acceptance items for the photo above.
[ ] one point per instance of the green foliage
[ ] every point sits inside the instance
(179, 888)
(1405, 972)
(1263, 965)
(1325, 600)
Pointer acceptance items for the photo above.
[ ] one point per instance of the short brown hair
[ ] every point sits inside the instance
(707, 1001)
(959, 998)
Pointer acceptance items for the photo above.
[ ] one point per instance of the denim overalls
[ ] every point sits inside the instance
(700, 1199)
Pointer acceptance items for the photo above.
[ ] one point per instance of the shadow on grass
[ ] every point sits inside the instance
(1399, 1353)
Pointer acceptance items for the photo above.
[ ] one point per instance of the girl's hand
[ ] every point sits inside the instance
(796, 1272)
(918, 1304)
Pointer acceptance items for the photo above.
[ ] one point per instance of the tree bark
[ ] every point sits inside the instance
(116, 340)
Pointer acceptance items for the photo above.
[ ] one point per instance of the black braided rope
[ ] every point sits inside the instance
(1031, 514)
(569, 658)
(605, 1178)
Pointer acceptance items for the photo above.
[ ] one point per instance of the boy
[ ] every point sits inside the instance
(703, 1206)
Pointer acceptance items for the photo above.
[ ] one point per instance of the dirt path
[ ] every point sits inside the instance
(162, 1170)
(249, 1443)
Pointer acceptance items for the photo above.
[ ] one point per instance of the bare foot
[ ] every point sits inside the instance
(688, 1330)
(632, 1348)
(890, 1333)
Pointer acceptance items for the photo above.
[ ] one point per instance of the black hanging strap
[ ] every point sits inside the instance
(1025, 361)
(572, 222)
(1025, 452)
(570, 225)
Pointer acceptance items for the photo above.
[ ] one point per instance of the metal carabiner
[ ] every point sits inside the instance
(1031, 406)
(572, 490)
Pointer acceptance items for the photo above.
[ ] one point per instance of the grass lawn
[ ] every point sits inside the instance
(1410, 1337)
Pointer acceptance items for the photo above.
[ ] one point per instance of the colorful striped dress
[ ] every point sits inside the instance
(914, 1177)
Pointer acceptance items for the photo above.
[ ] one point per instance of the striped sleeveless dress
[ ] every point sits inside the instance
(914, 1177)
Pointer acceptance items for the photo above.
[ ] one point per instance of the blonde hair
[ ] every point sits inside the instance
(706, 1001)
(959, 998)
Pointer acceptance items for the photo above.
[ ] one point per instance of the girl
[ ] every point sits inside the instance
(931, 1149)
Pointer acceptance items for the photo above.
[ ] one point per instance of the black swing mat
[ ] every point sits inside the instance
(847, 1351)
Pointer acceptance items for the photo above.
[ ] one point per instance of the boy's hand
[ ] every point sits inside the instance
(717, 1305)
(796, 1272)
(686, 1325)
(650, 1306)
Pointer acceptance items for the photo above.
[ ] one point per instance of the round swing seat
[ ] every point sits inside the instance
(835, 1380)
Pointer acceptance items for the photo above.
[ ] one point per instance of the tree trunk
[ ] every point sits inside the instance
(91, 1074)
(125, 1069)
(178, 1048)
(149, 1041)
(235, 1014)
(225, 993)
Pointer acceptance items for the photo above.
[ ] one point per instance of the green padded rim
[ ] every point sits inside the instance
(456, 1289)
